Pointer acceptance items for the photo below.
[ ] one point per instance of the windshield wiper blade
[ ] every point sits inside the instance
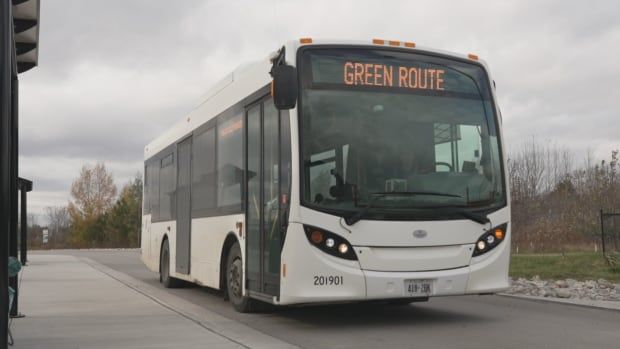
(476, 217)
(417, 192)
(357, 216)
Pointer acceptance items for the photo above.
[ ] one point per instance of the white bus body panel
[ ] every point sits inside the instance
(208, 236)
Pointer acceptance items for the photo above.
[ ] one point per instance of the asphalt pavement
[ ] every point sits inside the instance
(447, 322)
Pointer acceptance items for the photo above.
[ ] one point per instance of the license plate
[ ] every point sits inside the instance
(418, 288)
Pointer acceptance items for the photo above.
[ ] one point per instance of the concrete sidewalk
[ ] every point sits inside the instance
(71, 304)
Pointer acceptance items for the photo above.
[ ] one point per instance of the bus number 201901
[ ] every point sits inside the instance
(328, 280)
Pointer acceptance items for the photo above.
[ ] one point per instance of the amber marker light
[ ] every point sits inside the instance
(410, 44)
(472, 56)
(394, 43)
(378, 41)
(316, 237)
(499, 234)
(305, 40)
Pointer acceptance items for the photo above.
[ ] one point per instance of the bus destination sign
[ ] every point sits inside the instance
(384, 75)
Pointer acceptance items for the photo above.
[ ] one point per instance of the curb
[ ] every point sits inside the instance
(585, 303)
(232, 330)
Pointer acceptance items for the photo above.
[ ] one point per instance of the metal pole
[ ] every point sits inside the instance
(602, 233)
(23, 242)
(13, 234)
(6, 55)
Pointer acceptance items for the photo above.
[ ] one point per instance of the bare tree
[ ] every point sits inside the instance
(59, 224)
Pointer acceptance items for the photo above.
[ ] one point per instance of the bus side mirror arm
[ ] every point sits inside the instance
(284, 88)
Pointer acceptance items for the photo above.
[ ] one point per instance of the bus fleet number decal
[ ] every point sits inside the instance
(321, 280)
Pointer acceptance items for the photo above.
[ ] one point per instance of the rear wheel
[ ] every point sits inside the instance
(234, 282)
(164, 268)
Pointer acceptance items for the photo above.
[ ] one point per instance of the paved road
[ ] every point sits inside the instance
(463, 322)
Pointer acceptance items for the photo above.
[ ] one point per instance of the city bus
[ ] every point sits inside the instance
(334, 171)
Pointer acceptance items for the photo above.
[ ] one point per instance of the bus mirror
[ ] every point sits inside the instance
(284, 87)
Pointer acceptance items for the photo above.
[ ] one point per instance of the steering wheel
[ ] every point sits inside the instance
(441, 163)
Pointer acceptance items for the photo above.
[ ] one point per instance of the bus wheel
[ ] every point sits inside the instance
(164, 268)
(234, 281)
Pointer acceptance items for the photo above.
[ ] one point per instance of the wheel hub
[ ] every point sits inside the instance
(234, 278)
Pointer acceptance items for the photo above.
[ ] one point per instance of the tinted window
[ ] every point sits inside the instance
(230, 161)
(146, 203)
(154, 188)
(166, 188)
(203, 172)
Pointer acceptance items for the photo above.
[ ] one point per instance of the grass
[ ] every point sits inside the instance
(579, 266)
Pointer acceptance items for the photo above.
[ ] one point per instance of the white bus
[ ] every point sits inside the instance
(334, 171)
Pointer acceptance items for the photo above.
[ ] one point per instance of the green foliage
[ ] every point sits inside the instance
(123, 222)
(98, 220)
(579, 266)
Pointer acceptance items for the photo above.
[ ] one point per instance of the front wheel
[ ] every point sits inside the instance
(164, 268)
(234, 282)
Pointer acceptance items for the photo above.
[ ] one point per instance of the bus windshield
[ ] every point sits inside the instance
(396, 132)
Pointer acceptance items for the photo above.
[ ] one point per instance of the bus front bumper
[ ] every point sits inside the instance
(313, 276)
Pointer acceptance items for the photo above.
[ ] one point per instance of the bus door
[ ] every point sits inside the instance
(263, 204)
(183, 205)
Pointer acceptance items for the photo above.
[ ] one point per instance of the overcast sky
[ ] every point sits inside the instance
(112, 75)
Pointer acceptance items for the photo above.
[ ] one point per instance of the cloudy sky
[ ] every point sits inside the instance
(115, 74)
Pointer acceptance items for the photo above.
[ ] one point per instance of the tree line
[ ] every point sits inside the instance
(556, 202)
(96, 216)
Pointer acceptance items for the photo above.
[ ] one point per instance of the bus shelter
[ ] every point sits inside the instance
(19, 52)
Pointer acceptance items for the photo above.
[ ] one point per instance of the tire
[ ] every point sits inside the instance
(234, 282)
(164, 268)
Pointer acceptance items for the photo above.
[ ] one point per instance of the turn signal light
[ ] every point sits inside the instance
(305, 40)
(316, 236)
(499, 234)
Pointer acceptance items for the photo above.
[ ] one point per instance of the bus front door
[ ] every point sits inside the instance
(262, 205)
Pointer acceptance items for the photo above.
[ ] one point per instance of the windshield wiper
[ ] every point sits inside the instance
(476, 217)
(357, 216)
(417, 192)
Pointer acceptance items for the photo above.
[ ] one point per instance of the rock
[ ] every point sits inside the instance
(561, 284)
(562, 293)
(602, 283)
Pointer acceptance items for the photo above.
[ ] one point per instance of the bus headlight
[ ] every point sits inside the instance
(328, 241)
(490, 239)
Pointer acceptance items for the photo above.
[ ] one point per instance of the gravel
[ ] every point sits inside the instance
(601, 289)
